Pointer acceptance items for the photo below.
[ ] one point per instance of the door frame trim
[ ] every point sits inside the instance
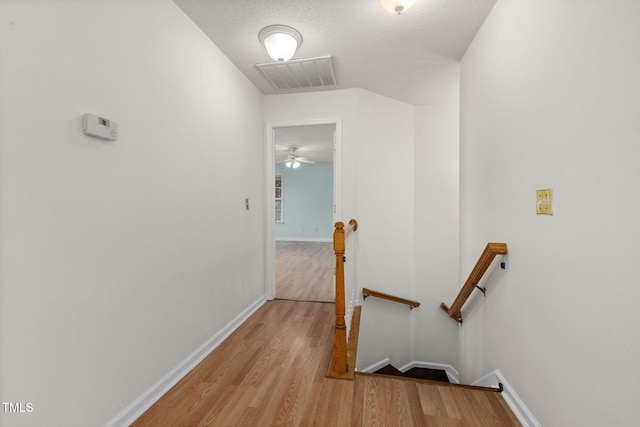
(270, 204)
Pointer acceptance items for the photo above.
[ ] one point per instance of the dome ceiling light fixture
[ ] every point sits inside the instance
(397, 6)
(281, 41)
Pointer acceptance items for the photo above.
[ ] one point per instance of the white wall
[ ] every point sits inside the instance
(400, 180)
(550, 98)
(340, 104)
(385, 189)
(120, 258)
(436, 231)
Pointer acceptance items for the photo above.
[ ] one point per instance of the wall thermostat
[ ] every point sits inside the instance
(99, 127)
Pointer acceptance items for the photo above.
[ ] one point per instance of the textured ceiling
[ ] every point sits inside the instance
(413, 57)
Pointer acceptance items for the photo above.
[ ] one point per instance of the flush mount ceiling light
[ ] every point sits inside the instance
(397, 6)
(281, 41)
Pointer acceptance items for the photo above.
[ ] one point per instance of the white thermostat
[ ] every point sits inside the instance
(99, 127)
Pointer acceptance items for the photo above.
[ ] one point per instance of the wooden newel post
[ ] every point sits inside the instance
(340, 332)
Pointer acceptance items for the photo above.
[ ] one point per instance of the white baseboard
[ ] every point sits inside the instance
(304, 239)
(372, 368)
(132, 412)
(494, 379)
(452, 373)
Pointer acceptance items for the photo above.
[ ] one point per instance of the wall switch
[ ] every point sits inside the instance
(246, 204)
(544, 202)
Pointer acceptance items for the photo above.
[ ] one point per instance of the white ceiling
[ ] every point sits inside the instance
(314, 142)
(413, 57)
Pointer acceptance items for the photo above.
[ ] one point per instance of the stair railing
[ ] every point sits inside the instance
(342, 363)
(371, 293)
(485, 260)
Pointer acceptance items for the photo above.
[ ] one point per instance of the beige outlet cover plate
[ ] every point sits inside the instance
(544, 202)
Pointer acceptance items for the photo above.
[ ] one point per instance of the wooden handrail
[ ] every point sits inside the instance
(485, 260)
(339, 366)
(369, 293)
(352, 226)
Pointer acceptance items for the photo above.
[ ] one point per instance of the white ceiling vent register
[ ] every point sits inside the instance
(301, 73)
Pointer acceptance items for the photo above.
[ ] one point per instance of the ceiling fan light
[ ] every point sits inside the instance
(280, 41)
(397, 6)
(288, 163)
(296, 164)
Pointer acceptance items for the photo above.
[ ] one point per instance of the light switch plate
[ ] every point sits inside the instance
(544, 202)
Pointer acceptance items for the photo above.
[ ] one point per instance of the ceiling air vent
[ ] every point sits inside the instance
(301, 73)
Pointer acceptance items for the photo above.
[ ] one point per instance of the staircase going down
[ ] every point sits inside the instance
(417, 373)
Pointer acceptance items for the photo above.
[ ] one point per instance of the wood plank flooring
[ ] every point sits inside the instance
(270, 372)
(304, 271)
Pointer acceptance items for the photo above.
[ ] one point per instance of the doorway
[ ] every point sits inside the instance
(303, 176)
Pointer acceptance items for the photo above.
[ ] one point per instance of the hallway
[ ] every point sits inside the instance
(271, 372)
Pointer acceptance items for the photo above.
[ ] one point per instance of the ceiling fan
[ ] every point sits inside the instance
(293, 161)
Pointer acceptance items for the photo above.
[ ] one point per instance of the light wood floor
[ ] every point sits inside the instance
(270, 372)
(304, 271)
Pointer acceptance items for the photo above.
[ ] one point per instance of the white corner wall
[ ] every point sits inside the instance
(550, 98)
(119, 259)
(436, 231)
(386, 246)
